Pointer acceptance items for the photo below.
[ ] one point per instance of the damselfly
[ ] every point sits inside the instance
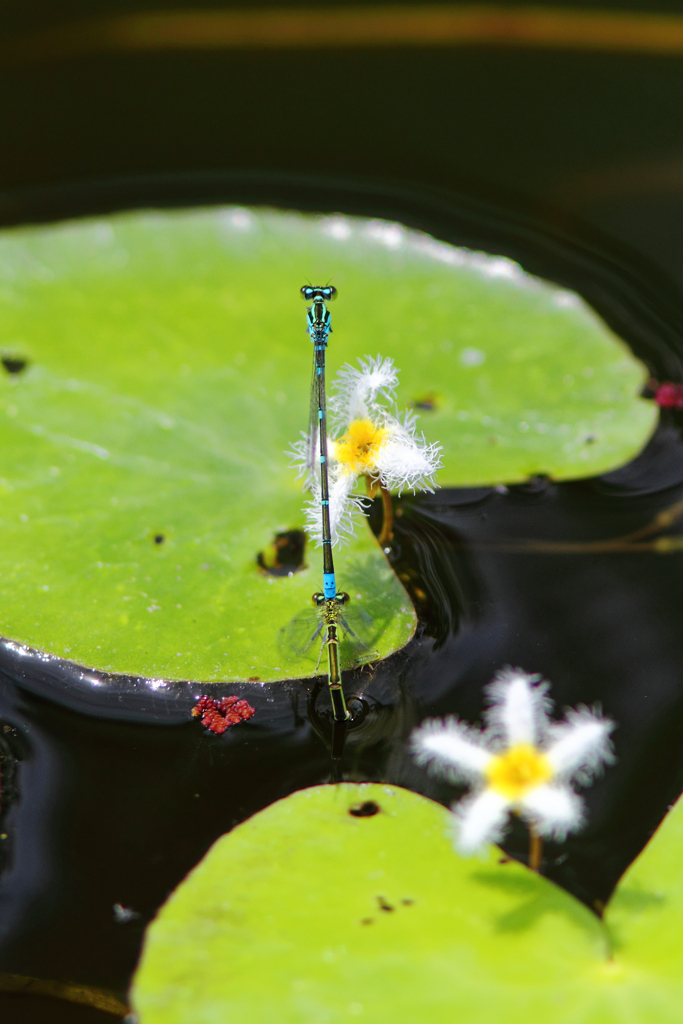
(306, 634)
(319, 326)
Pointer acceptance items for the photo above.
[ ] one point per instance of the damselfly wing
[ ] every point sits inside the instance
(305, 636)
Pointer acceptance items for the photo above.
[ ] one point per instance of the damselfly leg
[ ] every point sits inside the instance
(301, 637)
(332, 615)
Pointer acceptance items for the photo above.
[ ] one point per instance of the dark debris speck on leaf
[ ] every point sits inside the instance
(14, 364)
(365, 810)
(285, 554)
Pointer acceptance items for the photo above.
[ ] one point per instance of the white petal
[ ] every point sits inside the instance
(355, 392)
(519, 705)
(451, 749)
(479, 820)
(299, 457)
(581, 745)
(344, 510)
(554, 810)
(342, 505)
(406, 462)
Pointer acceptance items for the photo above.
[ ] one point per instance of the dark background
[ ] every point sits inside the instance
(562, 133)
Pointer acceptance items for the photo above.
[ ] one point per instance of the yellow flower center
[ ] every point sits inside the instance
(358, 449)
(517, 771)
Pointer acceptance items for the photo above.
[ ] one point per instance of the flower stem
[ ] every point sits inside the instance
(387, 531)
(535, 849)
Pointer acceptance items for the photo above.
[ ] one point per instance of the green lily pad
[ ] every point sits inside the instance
(645, 922)
(142, 465)
(306, 913)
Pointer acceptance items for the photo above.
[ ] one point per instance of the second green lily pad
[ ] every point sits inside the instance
(347, 901)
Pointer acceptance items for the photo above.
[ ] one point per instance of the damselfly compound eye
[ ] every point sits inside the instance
(325, 292)
(342, 597)
(318, 599)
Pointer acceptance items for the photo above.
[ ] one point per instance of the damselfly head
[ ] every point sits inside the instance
(319, 599)
(324, 292)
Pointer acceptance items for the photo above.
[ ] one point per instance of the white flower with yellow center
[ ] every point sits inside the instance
(367, 439)
(522, 763)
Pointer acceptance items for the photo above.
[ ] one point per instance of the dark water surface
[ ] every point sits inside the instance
(112, 793)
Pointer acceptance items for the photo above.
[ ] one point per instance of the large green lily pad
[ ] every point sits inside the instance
(168, 370)
(306, 913)
(645, 919)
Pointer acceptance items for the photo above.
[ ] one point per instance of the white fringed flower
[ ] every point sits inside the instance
(356, 392)
(522, 762)
(345, 508)
(367, 438)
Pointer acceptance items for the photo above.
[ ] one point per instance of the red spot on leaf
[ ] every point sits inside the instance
(219, 715)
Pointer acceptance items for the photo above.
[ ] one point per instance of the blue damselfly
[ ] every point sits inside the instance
(330, 601)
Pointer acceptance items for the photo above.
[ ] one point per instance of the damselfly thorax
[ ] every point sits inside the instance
(353, 625)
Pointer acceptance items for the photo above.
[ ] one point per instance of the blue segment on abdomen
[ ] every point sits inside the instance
(329, 585)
